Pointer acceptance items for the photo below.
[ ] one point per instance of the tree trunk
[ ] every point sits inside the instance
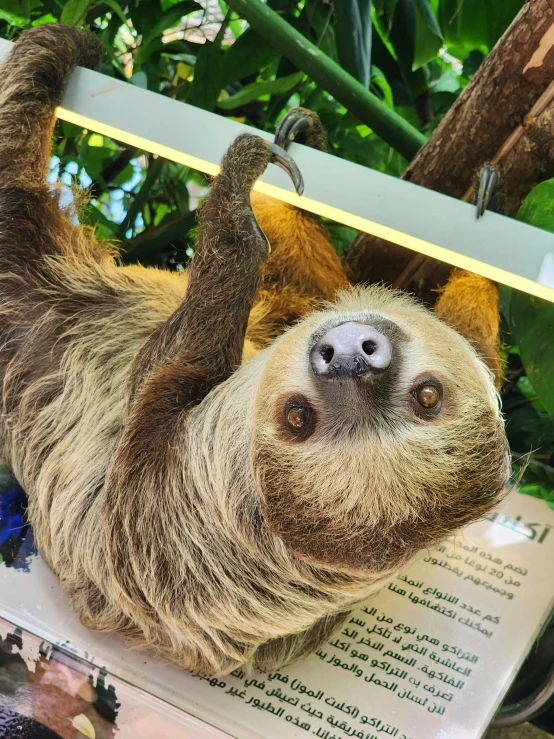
(505, 115)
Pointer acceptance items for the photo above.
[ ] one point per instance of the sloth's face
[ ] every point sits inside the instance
(377, 433)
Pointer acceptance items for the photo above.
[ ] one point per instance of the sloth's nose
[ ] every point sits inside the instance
(351, 349)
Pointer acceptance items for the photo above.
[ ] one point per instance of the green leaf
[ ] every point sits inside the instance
(532, 323)
(139, 80)
(382, 58)
(402, 39)
(475, 23)
(168, 3)
(385, 12)
(257, 89)
(13, 19)
(472, 62)
(105, 229)
(48, 18)
(314, 22)
(527, 429)
(449, 81)
(389, 7)
(247, 55)
(74, 12)
(353, 37)
(538, 207)
(532, 319)
(206, 85)
(95, 159)
(126, 175)
(428, 36)
(143, 246)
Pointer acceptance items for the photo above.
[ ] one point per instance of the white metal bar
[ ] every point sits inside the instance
(436, 225)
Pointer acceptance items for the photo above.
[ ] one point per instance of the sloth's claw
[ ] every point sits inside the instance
(292, 124)
(304, 126)
(488, 181)
(283, 160)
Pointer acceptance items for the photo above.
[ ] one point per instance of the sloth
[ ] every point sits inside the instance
(221, 465)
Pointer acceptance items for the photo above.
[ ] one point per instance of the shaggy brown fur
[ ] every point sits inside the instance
(166, 488)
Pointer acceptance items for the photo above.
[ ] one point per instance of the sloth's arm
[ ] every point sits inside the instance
(201, 344)
(198, 347)
(32, 80)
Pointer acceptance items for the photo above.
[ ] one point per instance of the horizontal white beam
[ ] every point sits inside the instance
(435, 225)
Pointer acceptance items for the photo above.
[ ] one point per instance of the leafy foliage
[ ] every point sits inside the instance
(476, 23)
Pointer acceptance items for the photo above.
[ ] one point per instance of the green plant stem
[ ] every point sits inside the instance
(387, 124)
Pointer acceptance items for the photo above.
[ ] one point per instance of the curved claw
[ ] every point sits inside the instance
(488, 181)
(290, 126)
(283, 160)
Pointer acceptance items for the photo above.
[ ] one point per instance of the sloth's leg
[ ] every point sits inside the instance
(304, 127)
(32, 82)
(32, 227)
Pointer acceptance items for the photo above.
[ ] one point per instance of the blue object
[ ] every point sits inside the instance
(17, 544)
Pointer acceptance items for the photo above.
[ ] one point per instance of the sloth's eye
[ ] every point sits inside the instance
(428, 396)
(298, 417)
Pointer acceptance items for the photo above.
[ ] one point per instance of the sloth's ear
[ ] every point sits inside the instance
(469, 303)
